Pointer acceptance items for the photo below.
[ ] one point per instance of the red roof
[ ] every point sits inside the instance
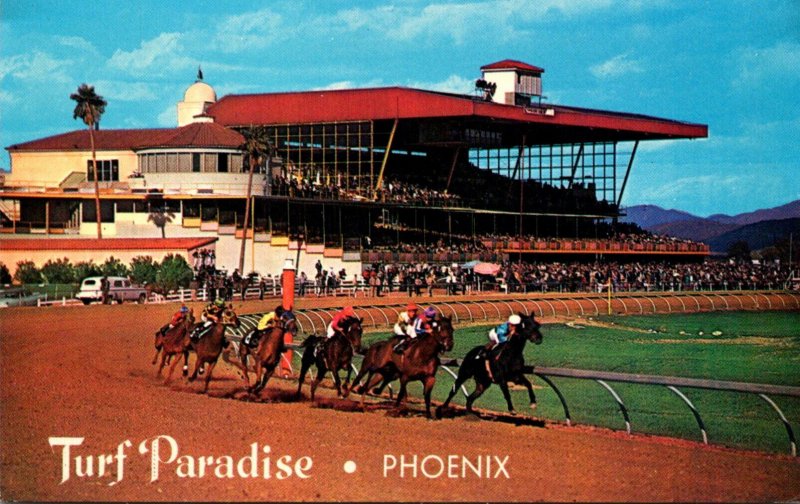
(405, 103)
(509, 64)
(105, 244)
(192, 135)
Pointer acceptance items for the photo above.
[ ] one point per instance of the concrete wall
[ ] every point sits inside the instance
(48, 169)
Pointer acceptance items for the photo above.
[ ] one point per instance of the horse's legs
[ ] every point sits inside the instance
(243, 357)
(464, 373)
(304, 365)
(504, 387)
(401, 394)
(158, 346)
(171, 370)
(321, 370)
(337, 381)
(208, 374)
(185, 361)
(161, 365)
(268, 370)
(259, 374)
(428, 383)
(347, 379)
(480, 387)
(197, 364)
(523, 380)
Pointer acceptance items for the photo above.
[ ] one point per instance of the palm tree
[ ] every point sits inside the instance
(257, 147)
(160, 216)
(90, 107)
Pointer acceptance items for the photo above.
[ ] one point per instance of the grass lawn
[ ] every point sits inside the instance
(758, 347)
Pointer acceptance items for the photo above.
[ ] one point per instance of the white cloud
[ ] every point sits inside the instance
(125, 91)
(756, 65)
(251, 30)
(6, 97)
(37, 67)
(617, 66)
(78, 43)
(156, 56)
(452, 84)
(169, 117)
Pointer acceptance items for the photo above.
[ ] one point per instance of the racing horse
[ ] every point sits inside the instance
(331, 354)
(419, 362)
(505, 363)
(209, 347)
(267, 355)
(172, 343)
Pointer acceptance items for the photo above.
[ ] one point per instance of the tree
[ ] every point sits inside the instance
(173, 273)
(90, 107)
(59, 271)
(5, 275)
(27, 273)
(160, 216)
(257, 148)
(144, 270)
(114, 267)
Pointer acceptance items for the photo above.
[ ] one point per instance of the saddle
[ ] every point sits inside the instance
(199, 332)
(252, 338)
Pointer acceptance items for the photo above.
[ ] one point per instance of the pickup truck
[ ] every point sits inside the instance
(119, 289)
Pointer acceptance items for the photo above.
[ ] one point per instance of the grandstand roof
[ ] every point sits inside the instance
(205, 134)
(546, 123)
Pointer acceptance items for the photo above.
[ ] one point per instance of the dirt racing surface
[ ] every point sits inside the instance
(80, 379)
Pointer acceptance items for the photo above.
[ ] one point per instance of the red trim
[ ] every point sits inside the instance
(509, 64)
(106, 244)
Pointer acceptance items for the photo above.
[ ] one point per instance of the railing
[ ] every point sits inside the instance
(671, 383)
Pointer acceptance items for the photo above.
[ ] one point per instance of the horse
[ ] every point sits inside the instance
(504, 364)
(267, 355)
(173, 342)
(209, 347)
(334, 354)
(419, 361)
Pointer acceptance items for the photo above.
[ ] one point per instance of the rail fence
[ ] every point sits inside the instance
(317, 319)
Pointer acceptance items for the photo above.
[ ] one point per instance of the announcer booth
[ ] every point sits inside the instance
(501, 160)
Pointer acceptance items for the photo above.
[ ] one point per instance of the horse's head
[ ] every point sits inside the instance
(443, 330)
(290, 326)
(229, 317)
(529, 329)
(353, 331)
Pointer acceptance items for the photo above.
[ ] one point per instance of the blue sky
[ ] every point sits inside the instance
(734, 65)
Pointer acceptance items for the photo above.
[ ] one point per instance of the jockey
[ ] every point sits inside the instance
(177, 318)
(405, 321)
(270, 319)
(504, 331)
(211, 315)
(339, 320)
(286, 317)
(421, 325)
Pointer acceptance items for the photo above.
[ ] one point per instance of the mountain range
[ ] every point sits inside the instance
(760, 228)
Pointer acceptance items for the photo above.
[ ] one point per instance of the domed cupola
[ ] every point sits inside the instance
(195, 100)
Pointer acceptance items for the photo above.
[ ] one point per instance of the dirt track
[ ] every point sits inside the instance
(85, 372)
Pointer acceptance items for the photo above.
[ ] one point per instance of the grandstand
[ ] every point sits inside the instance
(501, 170)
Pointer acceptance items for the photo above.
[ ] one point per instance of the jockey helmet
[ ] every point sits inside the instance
(348, 311)
(514, 319)
(430, 312)
(411, 307)
(279, 310)
(220, 302)
(184, 309)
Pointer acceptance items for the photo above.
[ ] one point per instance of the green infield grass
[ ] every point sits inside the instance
(756, 347)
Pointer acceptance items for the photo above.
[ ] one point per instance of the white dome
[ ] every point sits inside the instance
(200, 92)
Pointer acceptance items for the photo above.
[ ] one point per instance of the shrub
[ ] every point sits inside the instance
(5, 275)
(174, 273)
(87, 269)
(144, 270)
(59, 271)
(27, 273)
(114, 267)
